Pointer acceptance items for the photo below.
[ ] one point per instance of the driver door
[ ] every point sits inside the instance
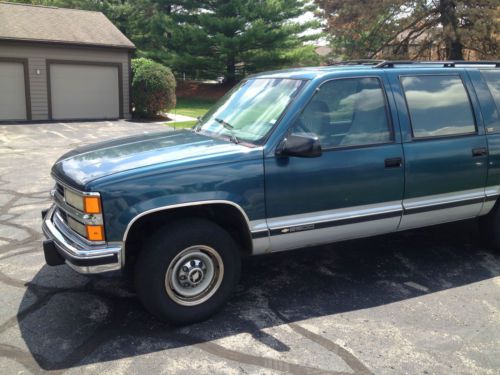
(355, 188)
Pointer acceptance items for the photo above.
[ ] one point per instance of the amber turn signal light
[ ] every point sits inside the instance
(95, 232)
(92, 205)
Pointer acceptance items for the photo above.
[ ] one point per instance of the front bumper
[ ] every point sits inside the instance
(64, 245)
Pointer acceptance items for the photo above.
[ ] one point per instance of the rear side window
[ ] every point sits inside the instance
(492, 79)
(438, 105)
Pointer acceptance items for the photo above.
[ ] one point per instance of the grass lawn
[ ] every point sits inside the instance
(192, 107)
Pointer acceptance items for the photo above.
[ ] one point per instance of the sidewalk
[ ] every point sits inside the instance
(177, 118)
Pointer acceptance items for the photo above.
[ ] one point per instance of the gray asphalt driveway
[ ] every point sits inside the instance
(424, 301)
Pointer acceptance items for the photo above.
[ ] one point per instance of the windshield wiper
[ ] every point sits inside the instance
(229, 127)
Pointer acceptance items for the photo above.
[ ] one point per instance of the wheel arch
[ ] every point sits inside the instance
(228, 214)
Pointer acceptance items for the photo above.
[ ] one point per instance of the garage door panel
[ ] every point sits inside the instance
(84, 92)
(12, 91)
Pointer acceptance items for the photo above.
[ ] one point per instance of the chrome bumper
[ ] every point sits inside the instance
(78, 254)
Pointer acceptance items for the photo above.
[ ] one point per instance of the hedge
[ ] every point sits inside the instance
(153, 88)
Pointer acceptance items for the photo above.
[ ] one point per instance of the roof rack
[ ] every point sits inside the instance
(357, 62)
(446, 64)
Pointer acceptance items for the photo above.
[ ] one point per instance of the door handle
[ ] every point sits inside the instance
(393, 162)
(480, 151)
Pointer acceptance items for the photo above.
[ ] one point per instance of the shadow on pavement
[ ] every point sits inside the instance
(100, 320)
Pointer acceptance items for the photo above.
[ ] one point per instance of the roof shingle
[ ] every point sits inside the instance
(59, 25)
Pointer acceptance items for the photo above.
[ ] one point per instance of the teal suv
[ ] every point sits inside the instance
(287, 159)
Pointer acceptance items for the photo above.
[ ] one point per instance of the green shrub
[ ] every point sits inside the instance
(153, 88)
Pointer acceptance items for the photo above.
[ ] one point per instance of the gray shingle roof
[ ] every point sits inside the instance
(59, 25)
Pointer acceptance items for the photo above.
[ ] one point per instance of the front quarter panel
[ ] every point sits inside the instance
(129, 195)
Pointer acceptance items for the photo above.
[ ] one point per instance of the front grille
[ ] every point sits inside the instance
(60, 189)
(63, 215)
(73, 220)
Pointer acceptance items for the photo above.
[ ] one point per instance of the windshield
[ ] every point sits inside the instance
(249, 111)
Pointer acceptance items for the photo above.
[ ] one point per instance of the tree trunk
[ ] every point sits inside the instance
(230, 69)
(452, 42)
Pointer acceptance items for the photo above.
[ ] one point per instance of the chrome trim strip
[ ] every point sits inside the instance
(66, 186)
(75, 249)
(347, 213)
(440, 199)
(63, 227)
(336, 222)
(180, 205)
(442, 208)
(321, 236)
(491, 191)
(91, 219)
(258, 225)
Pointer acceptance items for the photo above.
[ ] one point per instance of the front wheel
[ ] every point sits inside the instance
(186, 271)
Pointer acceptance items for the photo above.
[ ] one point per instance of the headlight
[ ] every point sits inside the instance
(83, 203)
(73, 199)
(92, 227)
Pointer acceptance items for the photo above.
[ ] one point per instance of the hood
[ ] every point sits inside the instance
(88, 163)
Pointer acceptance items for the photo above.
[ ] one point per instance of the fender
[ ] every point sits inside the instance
(260, 244)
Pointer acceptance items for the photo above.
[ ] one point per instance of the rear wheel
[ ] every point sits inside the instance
(186, 271)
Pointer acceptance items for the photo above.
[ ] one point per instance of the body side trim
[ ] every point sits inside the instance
(181, 205)
(335, 223)
(335, 215)
(439, 199)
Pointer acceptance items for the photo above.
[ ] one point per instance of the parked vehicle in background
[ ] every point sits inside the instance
(287, 159)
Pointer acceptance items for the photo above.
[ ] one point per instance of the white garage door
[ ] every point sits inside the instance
(12, 91)
(84, 92)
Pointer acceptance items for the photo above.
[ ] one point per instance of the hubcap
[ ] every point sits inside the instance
(194, 275)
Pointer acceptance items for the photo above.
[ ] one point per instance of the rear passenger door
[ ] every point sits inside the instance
(444, 145)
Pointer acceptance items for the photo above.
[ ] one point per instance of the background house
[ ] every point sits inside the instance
(62, 64)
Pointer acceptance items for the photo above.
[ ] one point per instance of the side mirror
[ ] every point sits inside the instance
(301, 145)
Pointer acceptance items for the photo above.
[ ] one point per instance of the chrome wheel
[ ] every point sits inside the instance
(194, 275)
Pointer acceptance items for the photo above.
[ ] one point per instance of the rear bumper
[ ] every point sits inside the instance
(63, 246)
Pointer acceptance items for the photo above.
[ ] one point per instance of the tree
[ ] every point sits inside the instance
(209, 39)
(383, 28)
(235, 37)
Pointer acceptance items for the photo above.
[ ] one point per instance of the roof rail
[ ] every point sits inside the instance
(357, 62)
(446, 64)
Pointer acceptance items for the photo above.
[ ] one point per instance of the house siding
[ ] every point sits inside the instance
(37, 56)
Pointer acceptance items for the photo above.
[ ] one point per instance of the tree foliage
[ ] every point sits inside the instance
(153, 88)
(213, 38)
(239, 36)
(384, 28)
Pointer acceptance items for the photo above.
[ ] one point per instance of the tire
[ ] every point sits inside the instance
(489, 228)
(187, 270)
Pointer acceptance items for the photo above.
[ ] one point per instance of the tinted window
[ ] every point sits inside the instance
(492, 79)
(250, 110)
(347, 112)
(438, 105)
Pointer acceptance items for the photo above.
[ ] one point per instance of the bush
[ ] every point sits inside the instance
(153, 88)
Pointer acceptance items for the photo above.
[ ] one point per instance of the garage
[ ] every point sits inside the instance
(60, 65)
(13, 93)
(84, 91)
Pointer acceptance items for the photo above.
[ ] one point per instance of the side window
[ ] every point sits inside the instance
(438, 106)
(347, 112)
(492, 78)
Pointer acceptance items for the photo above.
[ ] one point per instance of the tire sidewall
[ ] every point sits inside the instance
(159, 252)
